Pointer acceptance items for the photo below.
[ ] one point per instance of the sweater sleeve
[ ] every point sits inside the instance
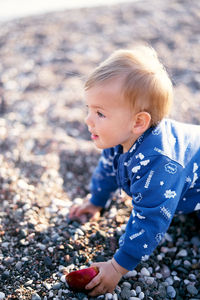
(103, 181)
(156, 187)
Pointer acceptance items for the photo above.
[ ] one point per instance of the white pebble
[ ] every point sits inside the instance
(187, 263)
(149, 280)
(159, 257)
(115, 297)
(50, 249)
(141, 295)
(168, 237)
(182, 253)
(109, 296)
(186, 281)
(22, 184)
(2, 295)
(119, 231)
(130, 274)
(145, 272)
(51, 294)
(41, 246)
(47, 285)
(158, 275)
(63, 278)
(169, 280)
(177, 278)
(133, 293)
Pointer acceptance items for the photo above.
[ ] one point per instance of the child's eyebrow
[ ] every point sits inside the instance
(96, 107)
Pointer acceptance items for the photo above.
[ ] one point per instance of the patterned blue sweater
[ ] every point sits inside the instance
(161, 172)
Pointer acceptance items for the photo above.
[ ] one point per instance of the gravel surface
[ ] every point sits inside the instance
(47, 158)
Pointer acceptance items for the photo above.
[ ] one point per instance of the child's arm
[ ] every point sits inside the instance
(156, 193)
(103, 183)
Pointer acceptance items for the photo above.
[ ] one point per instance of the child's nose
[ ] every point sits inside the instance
(88, 120)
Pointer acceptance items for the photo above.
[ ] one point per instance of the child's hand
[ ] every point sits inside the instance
(109, 275)
(85, 211)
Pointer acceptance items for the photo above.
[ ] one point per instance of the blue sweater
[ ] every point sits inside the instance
(161, 172)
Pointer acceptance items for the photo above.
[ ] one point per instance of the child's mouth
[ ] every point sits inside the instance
(94, 136)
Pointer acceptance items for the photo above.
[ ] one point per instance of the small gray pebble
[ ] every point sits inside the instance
(169, 280)
(126, 284)
(35, 297)
(182, 253)
(56, 286)
(125, 293)
(192, 290)
(133, 293)
(171, 291)
(18, 265)
(192, 277)
(138, 289)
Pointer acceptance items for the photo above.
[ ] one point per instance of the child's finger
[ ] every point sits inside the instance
(72, 211)
(94, 282)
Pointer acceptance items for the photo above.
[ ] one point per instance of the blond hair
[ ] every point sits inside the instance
(145, 82)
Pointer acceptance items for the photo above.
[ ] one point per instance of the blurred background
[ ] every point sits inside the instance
(20, 8)
(47, 49)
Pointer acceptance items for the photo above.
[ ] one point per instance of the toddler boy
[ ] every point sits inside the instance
(154, 160)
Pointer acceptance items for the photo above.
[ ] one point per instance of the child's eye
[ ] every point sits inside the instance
(100, 114)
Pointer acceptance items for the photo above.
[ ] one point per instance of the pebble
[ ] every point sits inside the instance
(2, 296)
(171, 291)
(125, 293)
(192, 289)
(182, 253)
(187, 263)
(192, 277)
(126, 284)
(195, 241)
(138, 289)
(177, 262)
(47, 285)
(41, 246)
(130, 274)
(35, 297)
(108, 296)
(159, 275)
(169, 280)
(141, 295)
(144, 272)
(56, 286)
(165, 271)
(133, 293)
(115, 297)
(149, 280)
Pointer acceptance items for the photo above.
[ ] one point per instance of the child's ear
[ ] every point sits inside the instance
(141, 122)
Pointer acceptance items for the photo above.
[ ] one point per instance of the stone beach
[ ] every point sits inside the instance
(47, 158)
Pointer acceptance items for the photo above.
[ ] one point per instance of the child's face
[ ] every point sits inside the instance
(110, 118)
